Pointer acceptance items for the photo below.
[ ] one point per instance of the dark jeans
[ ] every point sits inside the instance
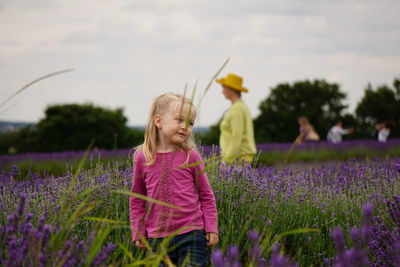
(188, 249)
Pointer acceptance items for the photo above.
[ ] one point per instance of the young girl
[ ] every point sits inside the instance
(164, 170)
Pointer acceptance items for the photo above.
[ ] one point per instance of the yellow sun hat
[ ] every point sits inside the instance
(233, 81)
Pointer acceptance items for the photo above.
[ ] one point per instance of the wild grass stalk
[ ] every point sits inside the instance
(33, 82)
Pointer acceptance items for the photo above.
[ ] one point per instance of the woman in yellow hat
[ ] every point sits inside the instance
(237, 132)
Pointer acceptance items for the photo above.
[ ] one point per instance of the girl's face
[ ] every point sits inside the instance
(172, 128)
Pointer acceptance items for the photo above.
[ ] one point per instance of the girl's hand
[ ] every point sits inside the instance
(139, 244)
(212, 239)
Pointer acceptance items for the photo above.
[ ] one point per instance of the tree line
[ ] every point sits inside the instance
(74, 127)
(323, 104)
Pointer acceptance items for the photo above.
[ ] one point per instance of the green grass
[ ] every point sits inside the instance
(271, 158)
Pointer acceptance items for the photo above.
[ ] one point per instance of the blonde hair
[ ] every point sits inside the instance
(161, 105)
(303, 120)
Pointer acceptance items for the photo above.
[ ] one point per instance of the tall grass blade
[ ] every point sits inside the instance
(198, 162)
(295, 231)
(80, 167)
(209, 85)
(33, 82)
(82, 209)
(190, 107)
(183, 99)
(69, 197)
(152, 200)
(212, 79)
(7, 109)
(103, 220)
(86, 192)
(126, 251)
(291, 149)
(96, 245)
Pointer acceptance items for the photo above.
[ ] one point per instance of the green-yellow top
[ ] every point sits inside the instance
(237, 134)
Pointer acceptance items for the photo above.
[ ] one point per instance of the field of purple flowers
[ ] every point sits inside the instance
(337, 213)
(270, 154)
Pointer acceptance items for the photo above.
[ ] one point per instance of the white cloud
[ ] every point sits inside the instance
(127, 52)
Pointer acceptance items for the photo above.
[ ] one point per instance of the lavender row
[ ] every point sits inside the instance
(370, 145)
(63, 156)
(207, 150)
(355, 177)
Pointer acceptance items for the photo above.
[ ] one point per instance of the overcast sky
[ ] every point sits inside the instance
(127, 52)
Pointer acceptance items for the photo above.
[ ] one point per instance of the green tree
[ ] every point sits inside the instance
(380, 105)
(22, 140)
(318, 100)
(74, 127)
(211, 137)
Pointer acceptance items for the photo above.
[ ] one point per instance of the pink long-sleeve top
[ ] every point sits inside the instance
(167, 181)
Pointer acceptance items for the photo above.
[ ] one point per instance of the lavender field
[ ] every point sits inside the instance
(334, 213)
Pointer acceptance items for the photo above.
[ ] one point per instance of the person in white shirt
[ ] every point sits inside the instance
(383, 131)
(336, 132)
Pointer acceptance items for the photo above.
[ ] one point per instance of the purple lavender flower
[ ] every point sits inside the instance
(253, 236)
(356, 237)
(367, 211)
(281, 261)
(22, 241)
(256, 251)
(103, 254)
(396, 166)
(338, 239)
(354, 257)
(21, 207)
(232, 256)
(385, 244)
(217, 258)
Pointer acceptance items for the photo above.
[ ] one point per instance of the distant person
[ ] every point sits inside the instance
(336, 132)
(307, 131)
(165, 170)
(237, 132)
(383, 131)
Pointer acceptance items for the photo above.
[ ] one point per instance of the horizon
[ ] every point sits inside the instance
(129, 126)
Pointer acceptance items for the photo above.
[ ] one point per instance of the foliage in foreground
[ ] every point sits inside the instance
(274, 203)
(43, 244)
